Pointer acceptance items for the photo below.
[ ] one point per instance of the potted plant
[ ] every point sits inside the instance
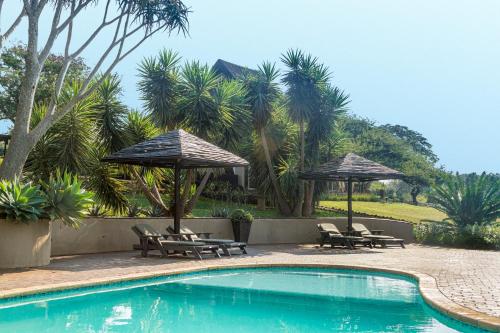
(26, 211)
(242, 223)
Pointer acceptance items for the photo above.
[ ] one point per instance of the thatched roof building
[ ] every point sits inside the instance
(231, 71)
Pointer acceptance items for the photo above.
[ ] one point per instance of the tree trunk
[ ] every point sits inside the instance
(282, 204)
(152, 195)
(199, 190)
(186, 190)
(22, 142)
(298, 207)
(308, 201)
(415, 191)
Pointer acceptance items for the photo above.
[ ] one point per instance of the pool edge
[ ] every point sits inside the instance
(426, 284)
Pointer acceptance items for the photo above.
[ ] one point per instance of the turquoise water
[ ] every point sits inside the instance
(238, 300)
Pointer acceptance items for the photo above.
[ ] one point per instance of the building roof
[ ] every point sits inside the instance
(231, 71)
(180, 147)
(351, 166)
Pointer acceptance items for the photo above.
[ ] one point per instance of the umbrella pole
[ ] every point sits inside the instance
(349, 206)
(177, 199)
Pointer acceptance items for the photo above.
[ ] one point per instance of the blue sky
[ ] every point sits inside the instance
(433, 66)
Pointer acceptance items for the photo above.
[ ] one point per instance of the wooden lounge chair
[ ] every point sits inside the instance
(224, 244)
(331, 234)
(376, 236)
(150, 239)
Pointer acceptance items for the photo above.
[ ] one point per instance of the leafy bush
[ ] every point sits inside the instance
(468, 199)
(355, 197)
(65, 199)
(241, 215)
(134, 210)
(155, 211)
(20, 202)
(96, 211)
(220, 212)
(61, 198)
(472, 236)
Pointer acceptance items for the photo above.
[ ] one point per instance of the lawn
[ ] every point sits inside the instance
(397, 211)
(205, 206)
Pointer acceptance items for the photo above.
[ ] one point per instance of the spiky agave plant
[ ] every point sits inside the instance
(470, 199)
(65, 199)
(20, 202)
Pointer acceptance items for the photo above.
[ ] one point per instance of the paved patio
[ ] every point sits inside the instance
(466, 277)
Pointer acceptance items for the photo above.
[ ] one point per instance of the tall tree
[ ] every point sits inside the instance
(263, 92)
(159, 87)
(305, 79)
(417, 141)
(133, 22)
(321, 128)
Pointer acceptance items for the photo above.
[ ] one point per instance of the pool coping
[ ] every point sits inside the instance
(426, 283)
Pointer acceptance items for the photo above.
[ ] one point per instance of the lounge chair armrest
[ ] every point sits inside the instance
(329, 233)
(206, 235)
(153, 236)
(175, 236)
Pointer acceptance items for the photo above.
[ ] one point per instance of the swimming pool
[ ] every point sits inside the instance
(235, 300)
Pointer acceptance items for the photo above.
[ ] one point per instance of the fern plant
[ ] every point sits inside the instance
(469, 199)
(20, 202)
(65, 199)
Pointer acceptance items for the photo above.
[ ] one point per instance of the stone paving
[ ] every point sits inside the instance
(466, 277)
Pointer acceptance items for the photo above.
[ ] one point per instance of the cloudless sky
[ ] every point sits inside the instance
(433, 66)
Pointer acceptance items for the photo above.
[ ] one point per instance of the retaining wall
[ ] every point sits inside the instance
(97, 235)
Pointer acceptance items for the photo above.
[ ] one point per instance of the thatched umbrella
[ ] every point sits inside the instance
(351, 168)
(178, 150)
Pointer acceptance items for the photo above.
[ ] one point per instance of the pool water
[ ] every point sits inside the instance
(237, 300)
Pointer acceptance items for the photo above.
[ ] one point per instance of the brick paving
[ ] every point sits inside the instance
(466, 277)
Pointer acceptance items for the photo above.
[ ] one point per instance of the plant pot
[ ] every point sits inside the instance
(24, 245)
(241, 231)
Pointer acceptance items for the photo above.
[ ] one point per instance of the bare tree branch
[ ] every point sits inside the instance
(106, 11)
(64, 68)
(52, 116)
(13, 26)
(70, 18)
(41, 5)
(93, 36)
(53, 33)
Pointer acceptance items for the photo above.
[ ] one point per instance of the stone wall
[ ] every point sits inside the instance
(98, 235)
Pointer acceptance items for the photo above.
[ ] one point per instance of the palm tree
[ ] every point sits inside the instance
(70, 145)
(110, 114)
(263, 93)
(305, 79)
(334, 103)
(159, 88)
(230, 101)
(469, 199)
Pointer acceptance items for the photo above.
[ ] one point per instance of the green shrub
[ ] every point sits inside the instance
(468, 199)
(222, 212)
(96, 211)
(65, 199)
(473, 236)
(134, 210)
(155, 211)
(61, 198)
(355, 197)
(20, 202)
(241, 215)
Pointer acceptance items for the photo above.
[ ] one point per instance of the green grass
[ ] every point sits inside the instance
(397, 211)
(204, 208)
